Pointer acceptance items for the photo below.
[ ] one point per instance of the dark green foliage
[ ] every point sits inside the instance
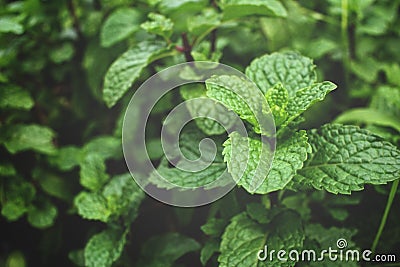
(329, 71)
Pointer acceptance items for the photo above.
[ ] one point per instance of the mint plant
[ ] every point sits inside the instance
(70, 68)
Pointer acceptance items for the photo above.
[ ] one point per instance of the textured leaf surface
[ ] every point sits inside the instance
(201, 106)
(158, 24)
(104, 248)
(240, 8)
(92, 206)
(169, 247)
(278, 99)
(17, 197)
(241, 96)
(122, 194)
(15, 97)
(344, 158)
(244, 238)
(291, 69)
(289, 157)
(127, 68)
(25, 137)
(306, 97)
(119, 25)
(93, 172)
(250, 167)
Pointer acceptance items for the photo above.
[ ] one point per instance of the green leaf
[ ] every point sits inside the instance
(208, 20)
(239, 95)
(15, 97)
(53, 185)
(62, 53)
(127, 68)
(169, 247)
(369, 116)
(291, 69)
(104, 147)
(104, 248)
(122, 195)
(249, 167)
(277, 98)
(201, 106)
(93, 172)
(214, 227)
(10, 24)
(387, 100)
(22, 137)
(159, 25)
(42, 215)
(209, 248)
(7, 169)
(306, 97)
(187, 179)
(244, 238)
(186, 176)
(240, 8)
(17, 197)
(119, 25)
(66, 158)
(344, 158)
(92, 206)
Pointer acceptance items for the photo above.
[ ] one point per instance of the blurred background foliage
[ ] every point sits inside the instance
(65, 196)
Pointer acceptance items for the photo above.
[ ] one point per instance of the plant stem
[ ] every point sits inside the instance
(392, 194)
(187, 48)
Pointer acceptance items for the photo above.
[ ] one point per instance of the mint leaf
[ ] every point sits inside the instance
(248, 160)
(241, 96)
(158, 24)
(93, 172)
(291, 69)
(42, 215)
(169, 247)
(209, 248)
(240, 8)
(104, 248)
(201, 106)
(123, 195)
(244, 238)
(387, 99)
(369, 116)
(288, 159)
(17, 196)
(344, 158)
(92, 206)
(208, 20)
(22, 137)
(66, 158)
(127, 68)
(214, 227)
(119, 25)
(10, 24)
(104, 147)
(15, 97)
(306, 97)
(187, 179)
(277, 98)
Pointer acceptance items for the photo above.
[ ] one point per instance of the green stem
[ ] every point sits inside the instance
(392, 194)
